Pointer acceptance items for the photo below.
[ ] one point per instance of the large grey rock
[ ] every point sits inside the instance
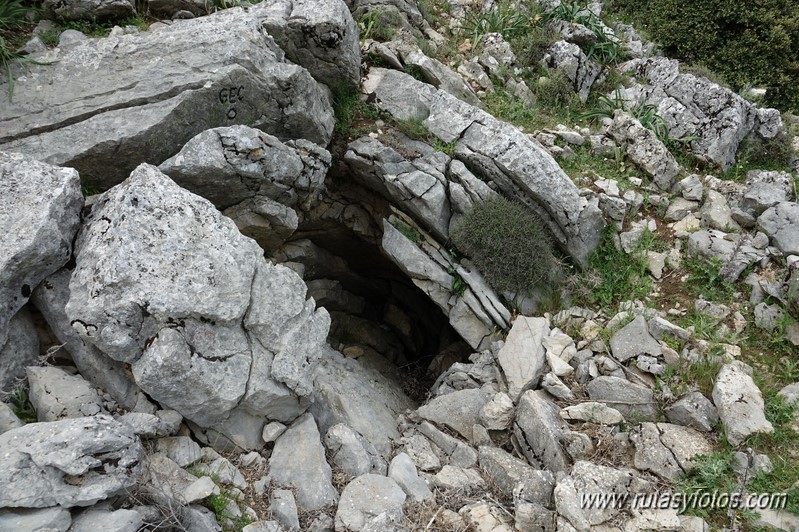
(739, 402)
(403, 471)
(96, 107)
(645, 149)
(57, 519)
(695, 411)
(347, 450)
(504, 470)
(634, 401)
(523, 357)
(709, 244)
(40, 462)
(228, 165)
(497, 152)
(539, 430)
(695, 106)
(459, 410)
(319, 35)
(108, 521)
(781, 224)
(439, 75)
(368, 500)
(21, 349)
(361, 398)
(90, 9)
(421, 186)
(50, 298)
(39, 213)
(586, 479)
(192, 349)
(284, 508)
(667, 450)
(568, 58)
(593, 413)
(55, 394)
(634, 339)
(298, 461)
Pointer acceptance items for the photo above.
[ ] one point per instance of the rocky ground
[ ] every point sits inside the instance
(232, 300)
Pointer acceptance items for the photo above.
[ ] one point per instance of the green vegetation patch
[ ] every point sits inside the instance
(509, 245)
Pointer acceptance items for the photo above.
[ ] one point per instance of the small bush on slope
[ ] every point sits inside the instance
(509, 244)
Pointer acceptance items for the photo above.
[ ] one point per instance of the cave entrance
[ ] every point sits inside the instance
(377, 314)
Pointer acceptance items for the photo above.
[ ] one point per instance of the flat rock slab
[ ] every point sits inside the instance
(366, 498)
(39, 213)
(45, 519)
(40, 462)
(459, 410)
(540, 430)
(55, 394)
(523, 357)
(298, 461)
(781, 223)
(362, 398)
(103, 106)
(739, 402)
(634, 339)
(634, 401)
(589, 478)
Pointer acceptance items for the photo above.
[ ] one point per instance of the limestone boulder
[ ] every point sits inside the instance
(739, 402)
(298, 461)
(228, 165)
(370, 502)
(41, 461)
(167, 284)
(579, 70)
(496, 152)
(694, 106)
(96, 106)
(363, 399)
(781, 224)
(39, 213)
(55, 394)
(319, 35)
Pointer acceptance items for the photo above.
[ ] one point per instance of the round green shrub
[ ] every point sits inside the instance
(509, 244)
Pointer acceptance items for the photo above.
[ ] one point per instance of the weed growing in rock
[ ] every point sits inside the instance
(508, 244)
(12, 16)
(704, 278)
(762, 154)
(607, 48)
(612, 275)
(409, 232)
(505, 19)
(448, 147)
(380, 24)
(645, 113)
(349, 107)
(22, 406)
